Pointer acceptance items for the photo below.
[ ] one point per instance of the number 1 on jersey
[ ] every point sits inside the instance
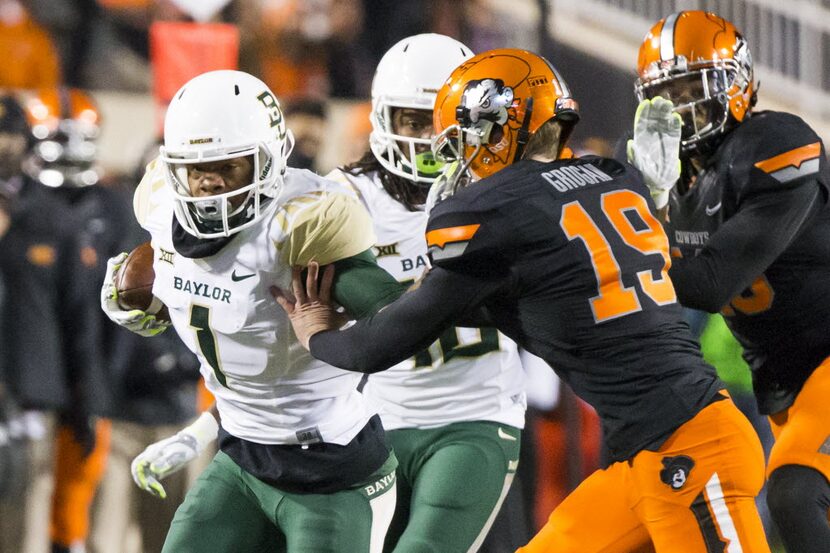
(614, 299)
(200, 321)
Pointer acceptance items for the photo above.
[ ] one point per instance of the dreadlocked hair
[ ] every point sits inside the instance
(402, 190)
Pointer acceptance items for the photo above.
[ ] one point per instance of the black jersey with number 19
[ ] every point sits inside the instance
(582, 266)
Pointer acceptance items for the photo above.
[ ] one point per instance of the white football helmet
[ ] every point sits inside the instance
(409, 76)
(222, 115)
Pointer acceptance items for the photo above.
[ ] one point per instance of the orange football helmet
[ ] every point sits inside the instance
(702, 63)
(492, 104)
(65, 124)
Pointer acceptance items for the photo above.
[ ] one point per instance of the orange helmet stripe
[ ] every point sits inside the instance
(441, 236)
(792, 158)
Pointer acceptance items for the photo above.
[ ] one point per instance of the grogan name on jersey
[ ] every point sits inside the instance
(574, 176)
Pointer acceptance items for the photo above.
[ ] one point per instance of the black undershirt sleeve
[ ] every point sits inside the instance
(743, 248)
(405, 326)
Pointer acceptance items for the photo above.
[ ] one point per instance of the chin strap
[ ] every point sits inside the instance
(523, 135)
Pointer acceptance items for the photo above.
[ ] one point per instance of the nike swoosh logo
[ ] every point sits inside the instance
(505, 436)
(712, 210)
(236, 278)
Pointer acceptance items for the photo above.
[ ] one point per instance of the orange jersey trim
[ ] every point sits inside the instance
(441, 236)
(792, 158)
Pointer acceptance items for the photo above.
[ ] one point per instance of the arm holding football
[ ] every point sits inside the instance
(129, 304)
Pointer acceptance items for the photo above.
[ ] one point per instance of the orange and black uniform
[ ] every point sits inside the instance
(52, 349)
(752, 233)
(567, 259)
(49, 323)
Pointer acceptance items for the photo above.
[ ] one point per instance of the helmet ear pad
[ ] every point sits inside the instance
(496, 134)
(741, 104)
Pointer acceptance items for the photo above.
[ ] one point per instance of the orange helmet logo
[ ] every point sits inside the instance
(493, 103)
(488, 100)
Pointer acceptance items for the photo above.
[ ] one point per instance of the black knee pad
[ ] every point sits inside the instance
(799, 499)
(798, 487)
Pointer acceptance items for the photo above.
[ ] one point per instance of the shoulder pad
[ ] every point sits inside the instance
(771, 151)
(467, 241)
(148, 200)
(323, 225)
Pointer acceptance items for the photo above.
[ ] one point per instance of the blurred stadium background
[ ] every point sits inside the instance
(593, 43)
(319, 55)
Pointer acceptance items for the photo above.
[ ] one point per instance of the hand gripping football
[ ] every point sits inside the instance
(134, 283)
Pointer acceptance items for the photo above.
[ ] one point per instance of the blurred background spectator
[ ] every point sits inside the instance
(307, 120)
(22, 39)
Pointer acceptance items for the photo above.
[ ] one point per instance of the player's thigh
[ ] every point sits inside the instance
(221, 514)
(402, 506)
(463, 476)
(353, 520)
(408, 444)
(595, 518)
(802, 432)
(697, 492)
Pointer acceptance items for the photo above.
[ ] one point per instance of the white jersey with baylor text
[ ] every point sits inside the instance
(268, 388)
(470, 374)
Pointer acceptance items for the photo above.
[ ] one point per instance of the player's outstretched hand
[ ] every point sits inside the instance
(172, 454)
(655, 148)
(310, 310)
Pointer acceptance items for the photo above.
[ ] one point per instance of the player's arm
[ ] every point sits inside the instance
(336, 229)
(362, 287)
(468, 267)
(145, 203)
(405, 326)
(745, 246)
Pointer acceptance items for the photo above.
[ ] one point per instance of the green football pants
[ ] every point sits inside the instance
(452, 481)
(231, 511)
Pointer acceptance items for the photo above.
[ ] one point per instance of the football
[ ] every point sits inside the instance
(134, 283)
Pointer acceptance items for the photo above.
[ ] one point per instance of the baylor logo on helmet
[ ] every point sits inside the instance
(676, 471)
(274, 112)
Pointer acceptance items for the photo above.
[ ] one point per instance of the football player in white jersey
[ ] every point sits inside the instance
(453, 413)
(302, 464)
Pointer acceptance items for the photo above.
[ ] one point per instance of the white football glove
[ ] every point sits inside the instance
(141, 322)
(172, 454)
(655, 148)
